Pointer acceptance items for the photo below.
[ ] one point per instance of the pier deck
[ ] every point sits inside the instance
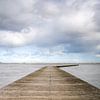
(50, 83)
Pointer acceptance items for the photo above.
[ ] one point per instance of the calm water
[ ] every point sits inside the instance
(87, 72)
(12, 72)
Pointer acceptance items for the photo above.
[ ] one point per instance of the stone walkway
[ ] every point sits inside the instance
(49, 83)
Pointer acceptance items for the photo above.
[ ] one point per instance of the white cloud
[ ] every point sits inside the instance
(15, 39)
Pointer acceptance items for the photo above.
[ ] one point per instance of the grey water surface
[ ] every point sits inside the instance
(87, 72)
(13, 72)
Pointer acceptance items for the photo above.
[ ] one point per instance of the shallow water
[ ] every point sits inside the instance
(87, 72)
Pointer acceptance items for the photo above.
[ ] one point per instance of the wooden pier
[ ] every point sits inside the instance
(50, 83)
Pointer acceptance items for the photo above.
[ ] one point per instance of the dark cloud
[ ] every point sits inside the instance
(15, 15)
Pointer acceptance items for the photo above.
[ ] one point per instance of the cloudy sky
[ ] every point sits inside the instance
(49, 31)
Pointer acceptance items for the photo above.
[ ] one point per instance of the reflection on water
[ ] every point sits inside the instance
(87, 72)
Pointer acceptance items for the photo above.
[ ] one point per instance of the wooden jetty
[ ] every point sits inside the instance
(50, 83)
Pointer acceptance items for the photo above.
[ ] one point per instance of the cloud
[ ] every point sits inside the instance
(14, 39)
(70, 24)
(15, 15)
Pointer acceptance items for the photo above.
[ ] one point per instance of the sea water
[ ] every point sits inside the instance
(13, 72)
(87, 72)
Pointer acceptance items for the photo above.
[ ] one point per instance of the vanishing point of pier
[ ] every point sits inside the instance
(50, 83)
